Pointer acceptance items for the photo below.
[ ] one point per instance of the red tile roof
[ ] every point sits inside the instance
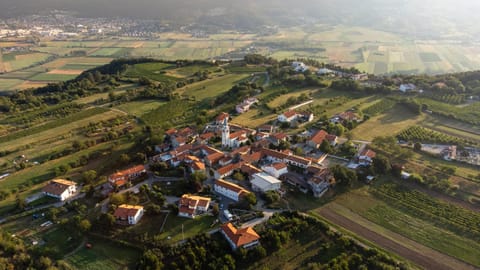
(319, 136)
(207, 136)
(369, 153)
(198, 166)
(231, 186)
(289, 114)
(124, 211)
(215, 157)
(58, 186)
(249, 169)
(228, 168)
(171, 132)
(240, 237)
(222, 117)
(279, 165)
(252, 158)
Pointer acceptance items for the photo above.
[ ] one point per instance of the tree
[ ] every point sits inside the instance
(271, 196)
(215, 209)
(238, 176)
(89, 176)
(124, 159)
(381, 164)
(343, 175)
(325, 147)
(150, 261)
(417, 146)
(251, 199)
(84, 225)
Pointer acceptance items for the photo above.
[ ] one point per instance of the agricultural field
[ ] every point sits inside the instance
(393, 121)
(104, 255)
(424, 135)
(139, 108)
(16, 61)
(214, 87)
(394, 215)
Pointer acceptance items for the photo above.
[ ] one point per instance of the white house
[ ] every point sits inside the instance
(245, 105)
(60, 189)
(324, 71)
(264, 182)
(287, 117)
(190, 206)
(245, 237)
(366, 157)
(276, 169)
(407, 87)
(128, 214)
(229, 190)
(299, 66)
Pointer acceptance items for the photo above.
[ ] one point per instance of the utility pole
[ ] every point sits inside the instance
(183, 236)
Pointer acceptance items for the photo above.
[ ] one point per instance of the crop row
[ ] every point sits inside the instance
(418, 204)
(379, 107)
(425, 135)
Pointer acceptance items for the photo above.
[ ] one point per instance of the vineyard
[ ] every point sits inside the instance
(469, 114)
(418, 204)
(448, 98)
(425, 135)
(380, 107)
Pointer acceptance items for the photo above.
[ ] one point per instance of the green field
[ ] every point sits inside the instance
(153, 71)
(410, 225)
(214, 87)
(53, 77)
(104, 255)
(139, 108)
(7, 84)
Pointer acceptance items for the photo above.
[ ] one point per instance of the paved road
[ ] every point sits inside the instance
(300, 105)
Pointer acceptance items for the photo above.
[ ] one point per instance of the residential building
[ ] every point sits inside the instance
(60, 189)
(287, 117)
(276, 169)
(321, 181)
(263, 182)
(407, 87)
(365, 158)
(128, 214)
(237, 238)
(299, 66)
(318, 137)
(190, 206)
(230, 190)
(221, 118)
(122, 177)
(245, 105)
(233, 140)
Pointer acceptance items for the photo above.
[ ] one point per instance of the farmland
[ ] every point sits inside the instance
(389, 210)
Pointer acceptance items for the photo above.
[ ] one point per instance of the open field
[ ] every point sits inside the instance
(9, 83)
(15, 61)
(211, 88)
(174, 224)
(362, 203)
(139, 108)
(389, 123)
(104, 255)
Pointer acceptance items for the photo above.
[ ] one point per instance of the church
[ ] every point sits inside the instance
(232, 140)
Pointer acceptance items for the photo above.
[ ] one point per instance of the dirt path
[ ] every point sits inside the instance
(408, 249)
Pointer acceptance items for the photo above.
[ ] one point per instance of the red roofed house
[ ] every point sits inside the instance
(122, 177)
(190, 206)
(276, 169)
(237, 238)
(365, 158)
(226, 170)
(230, 190)
(60, 189)
(321, 135)
(128, 214)
(287, 117)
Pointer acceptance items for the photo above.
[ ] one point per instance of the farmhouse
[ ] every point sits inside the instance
(321, 181)
(290, 116)
(276, 169)
(122, 177)
(190, 206)
(128, 214)
(237, 238)
(230, 190)
(345, 117)
(263, 182)
(60, 189)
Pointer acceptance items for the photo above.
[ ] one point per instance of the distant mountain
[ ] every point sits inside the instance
(436, 18)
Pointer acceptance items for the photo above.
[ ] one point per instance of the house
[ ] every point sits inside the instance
(205, 137)
(213, 158)
(237, 238)
(275, 156)
(265, 129)
(324, 71)
(318, 137)
(277, 138)
(128, 214)
(60, 189)
(245, 105)
(276, 169)
(196, 166)
(249, 169)
(359, 77)
(162, 148)
(226, 170)
(178, 141)
(263, 182)
(287, 117)
(449, 153)
(365, 158)
(122, 177)
(299, 66)
(345, 117)
(190, 206)
(407, 87)
(321, 181)
(230, 190)
(171, 132)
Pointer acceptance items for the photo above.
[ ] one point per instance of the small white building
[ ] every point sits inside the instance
(276, 169)
(190, 206)
(287, 117)
(230, 190)
(60, 189)
(299, 66)
(407, 87)
(128, 214)
(264, 182)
